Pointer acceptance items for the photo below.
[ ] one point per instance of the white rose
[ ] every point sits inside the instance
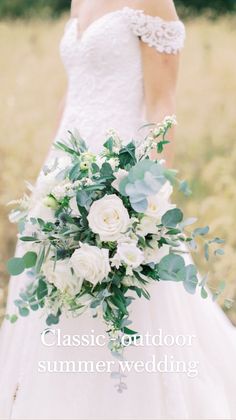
(155, 254)
(108, 218)
(61, 276)
(119, 175)
(62, 189)
(130, 254)
(91, 263)
(159, 203)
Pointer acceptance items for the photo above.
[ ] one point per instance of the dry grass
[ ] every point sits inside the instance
(32, 82)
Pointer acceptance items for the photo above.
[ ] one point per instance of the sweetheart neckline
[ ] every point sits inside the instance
(80, 34)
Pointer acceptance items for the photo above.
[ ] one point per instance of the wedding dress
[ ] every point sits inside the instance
(105, 90)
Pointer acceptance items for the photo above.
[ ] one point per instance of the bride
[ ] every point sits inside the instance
(121, 58)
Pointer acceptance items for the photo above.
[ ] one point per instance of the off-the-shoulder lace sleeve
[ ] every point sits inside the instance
(165, 36)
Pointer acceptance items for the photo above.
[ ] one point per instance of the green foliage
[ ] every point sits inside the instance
(172, 217)
(215, 6)
(144, 179)
(29, 8)
(15, 266)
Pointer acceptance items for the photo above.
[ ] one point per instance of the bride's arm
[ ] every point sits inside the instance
(160, 74)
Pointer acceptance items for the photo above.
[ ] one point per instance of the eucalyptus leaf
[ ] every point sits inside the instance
(201, 231)
(219, 251)
(169, 266)
(188, 275)
(184, 188)
(139, 206)
(15, 266)
(188, 222)
(204, 293)
(172, 218)
(30, 259)
(206, 251)
(23, 311)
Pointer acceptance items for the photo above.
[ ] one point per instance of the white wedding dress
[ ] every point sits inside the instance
(106, 91)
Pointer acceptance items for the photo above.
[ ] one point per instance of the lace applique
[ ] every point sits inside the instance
(165, 36)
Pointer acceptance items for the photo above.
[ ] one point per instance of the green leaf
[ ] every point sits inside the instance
(184, 188)
(173, 232)
(95, 168)
(201, 231)
(23, 311)
(15, 266)
(127, 155)
(189, 277)
(192, 245)
(204, 293)
(53, 319)
(30, 259)
(83, 199)
(217, 241)
(139, 206)
(12, 318)
(219, 251)
(172, 217)
(106, 171)
(188, 222)
(161, 144)
(40, 260)
(74, 172)
(219, 290)
(129, 331)
(119, 304)
(42, 289)
(206, 251)
(169, 266)
(109, 144)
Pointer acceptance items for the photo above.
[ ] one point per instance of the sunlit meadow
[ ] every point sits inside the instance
(32, 84)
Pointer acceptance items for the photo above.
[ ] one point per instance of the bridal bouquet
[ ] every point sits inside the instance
(99, 228)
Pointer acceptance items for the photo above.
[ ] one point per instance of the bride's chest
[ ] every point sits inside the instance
(108, 43)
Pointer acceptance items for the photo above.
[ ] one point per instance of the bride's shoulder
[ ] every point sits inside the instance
(165, 9)
(156, 23)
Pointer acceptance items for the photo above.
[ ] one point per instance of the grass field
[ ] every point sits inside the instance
(32, 83)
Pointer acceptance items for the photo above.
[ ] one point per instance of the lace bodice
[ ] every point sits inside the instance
(104, 68)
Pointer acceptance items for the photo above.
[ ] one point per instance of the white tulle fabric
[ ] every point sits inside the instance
(105, 89)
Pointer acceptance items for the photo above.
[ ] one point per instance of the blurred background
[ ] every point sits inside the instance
(32, 84)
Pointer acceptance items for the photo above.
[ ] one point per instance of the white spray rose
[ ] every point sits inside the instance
(62, 189)
(119, 175)
(60, 274)
(129, 254)
(146, 226)
(91, 263)
(155, 254)
(108, 218)
(159, 203)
